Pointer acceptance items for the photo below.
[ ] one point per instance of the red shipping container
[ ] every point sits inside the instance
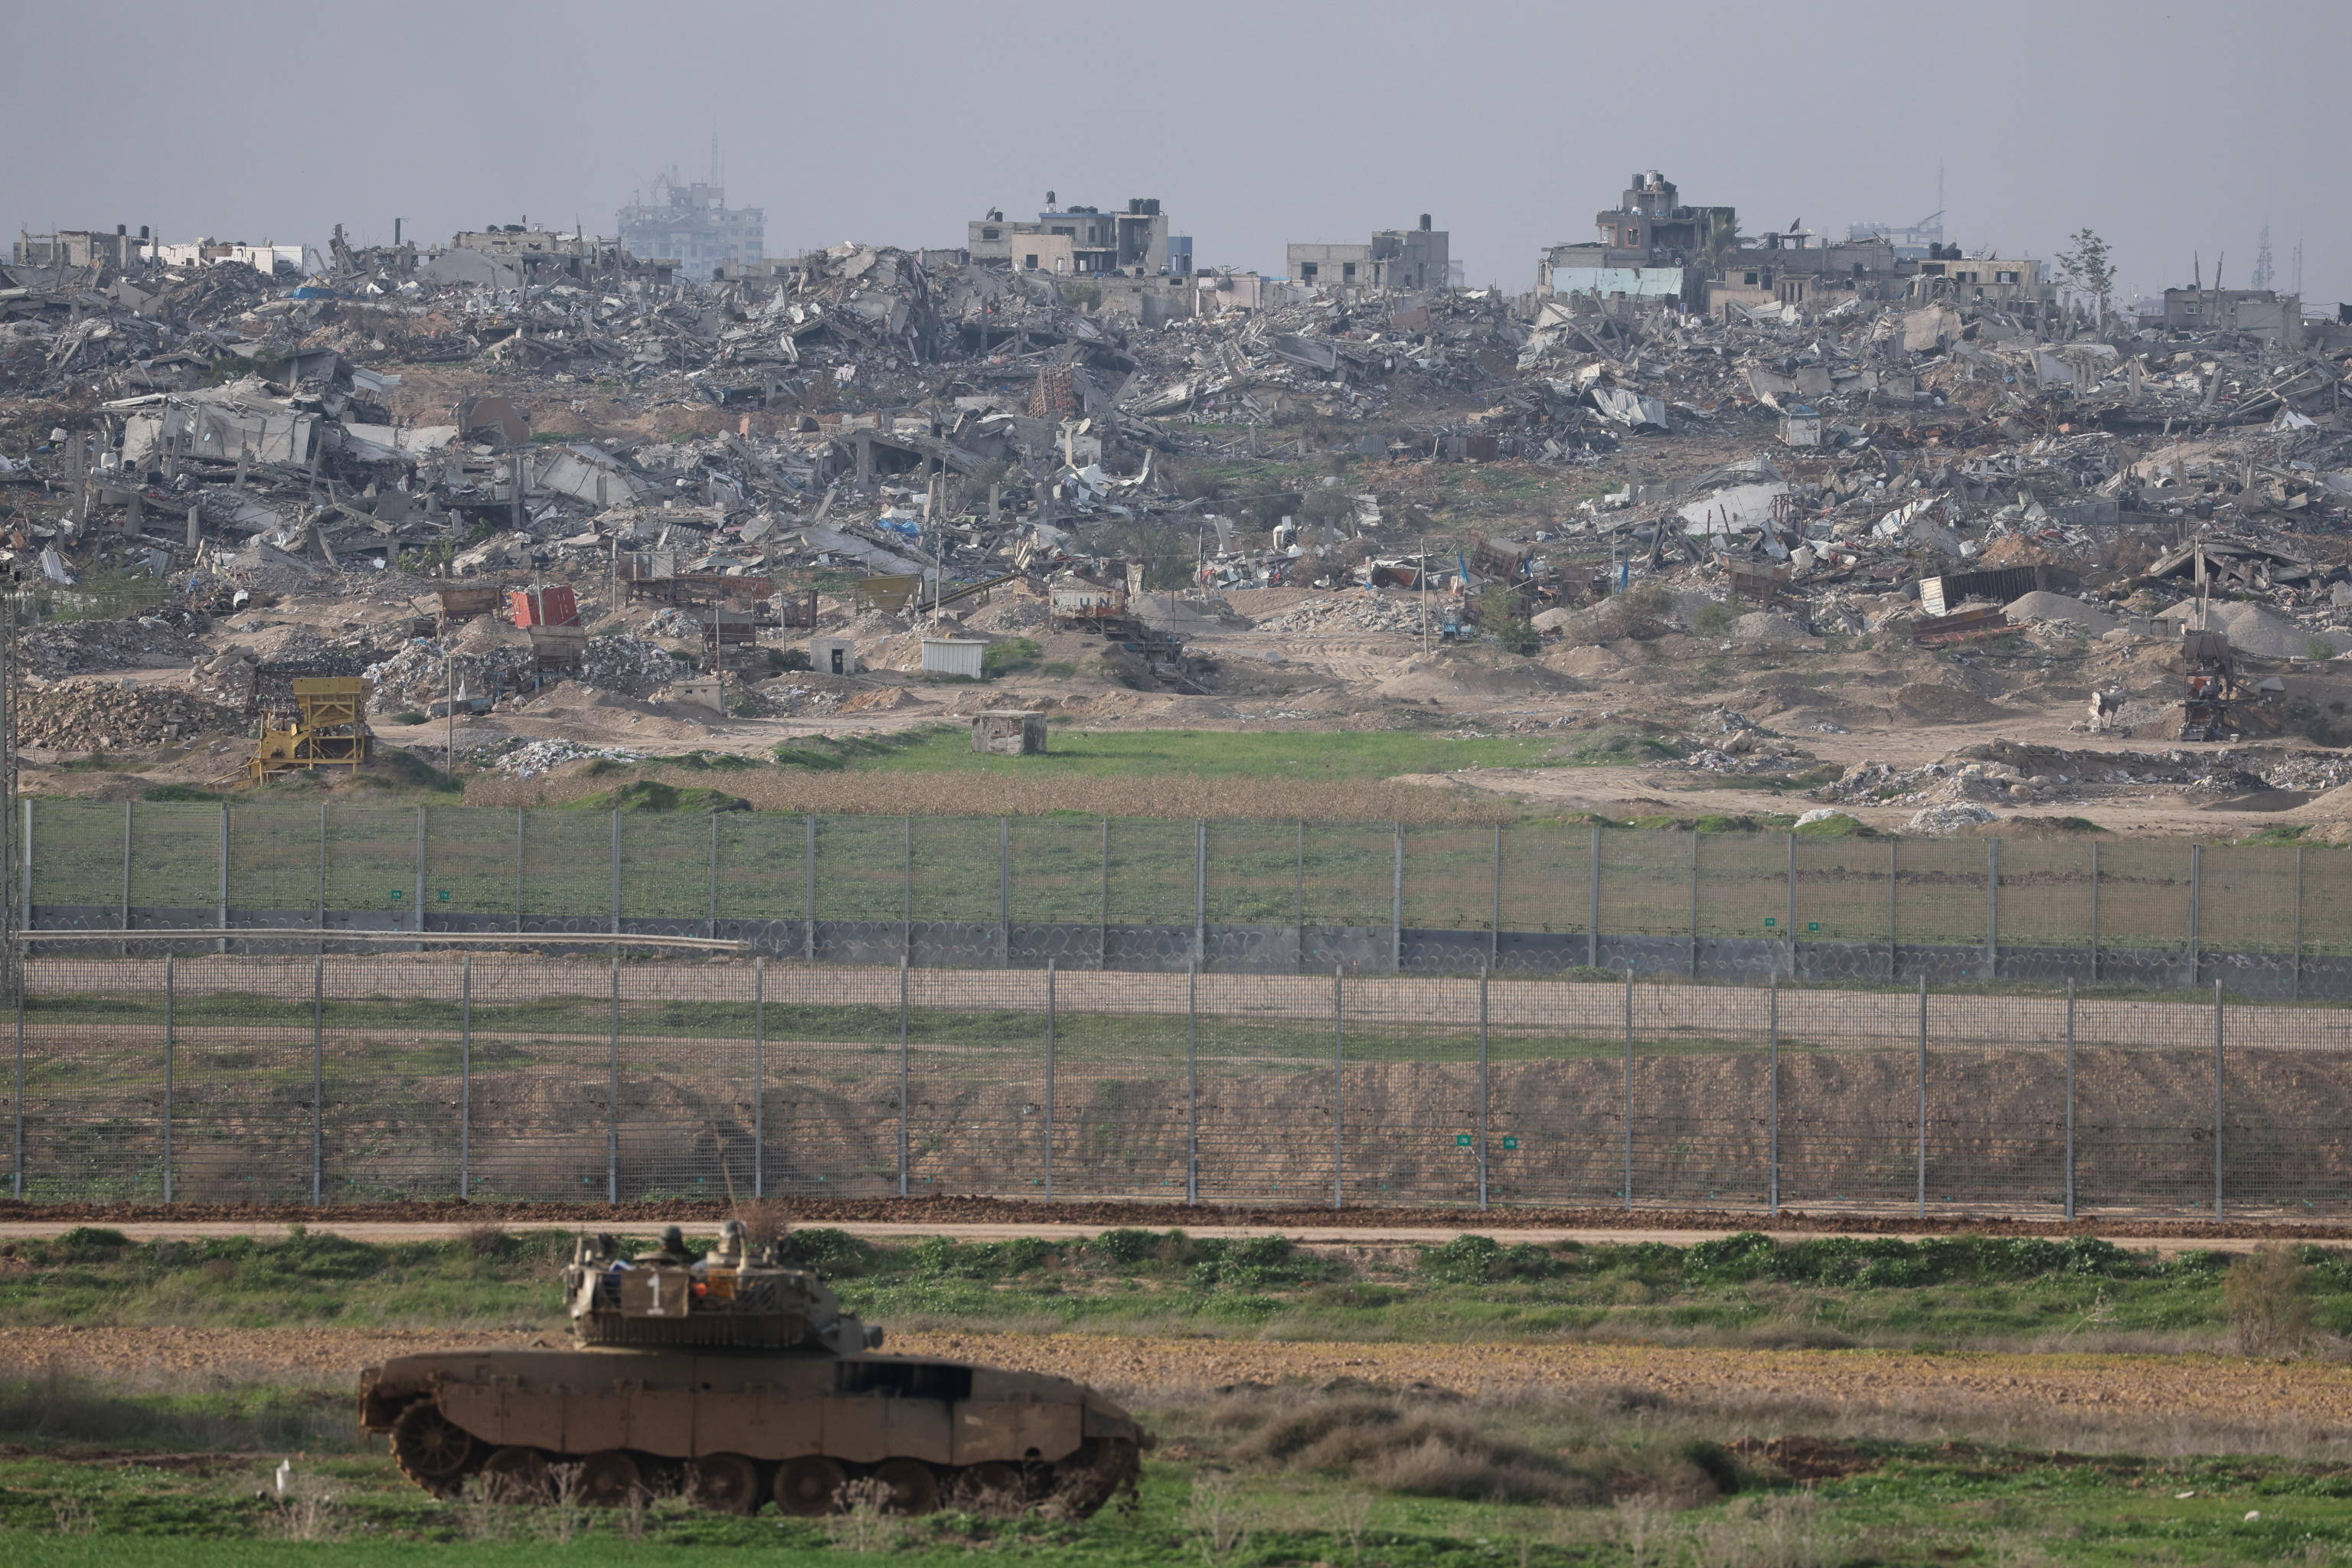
(550, 607)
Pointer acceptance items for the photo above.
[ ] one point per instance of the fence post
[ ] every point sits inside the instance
(420, 864)
(758, 1077)
(1495, 910)
(318, 1079)
(1193, 1085)
(1629, 1086)
(466, 1077)
(1004, 891)
(1592, 911)
(2294, 982)
(903, 1107)
(1772, 1100)
(2220, 1086)
(1923, 1097)
(617, 877)
(123, 923)
(1338, 1090)
(521, 834)
(1396, 908)
(1694, 905)
(1483, 977)
(2070, 1097)
(1992, 909)
(25, 870)
(1893, 891)
(710, 924)
(2196, 910)
(808, 890)
(221, 899)
(2094, 911)
(1102, 911)
(324, 840)
(171, 1051)
(16, 1164)
(906, 900)
(1299, 895)
(1199, 893)
(1789, 915)
(1052, 1038)
(613, 1087)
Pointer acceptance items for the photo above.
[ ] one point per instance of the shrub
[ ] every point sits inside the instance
(1714, 620)
(1005, 657)
(2268, 1293)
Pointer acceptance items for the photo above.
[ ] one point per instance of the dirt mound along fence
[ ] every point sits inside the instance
(228, 1078)
(1225, 896)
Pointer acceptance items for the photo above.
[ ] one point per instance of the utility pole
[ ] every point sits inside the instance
(1422, 583)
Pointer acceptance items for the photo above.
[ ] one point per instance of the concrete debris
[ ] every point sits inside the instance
(86, 716)
(536, 757)
(1943, 821)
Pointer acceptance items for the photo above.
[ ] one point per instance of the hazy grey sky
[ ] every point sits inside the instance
(2170, 129)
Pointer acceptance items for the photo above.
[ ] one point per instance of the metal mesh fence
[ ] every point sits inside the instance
(2272, 924)
(203, 1077)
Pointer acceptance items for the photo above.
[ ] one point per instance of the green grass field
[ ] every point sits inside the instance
(1949, 1294)
(181, 1470)
(1325, 757)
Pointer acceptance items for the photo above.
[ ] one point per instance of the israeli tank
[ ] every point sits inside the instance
(736, 1378)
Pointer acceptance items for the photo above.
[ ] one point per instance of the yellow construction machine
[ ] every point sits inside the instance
(327, 729)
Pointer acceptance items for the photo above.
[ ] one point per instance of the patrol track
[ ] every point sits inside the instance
(948, 1214)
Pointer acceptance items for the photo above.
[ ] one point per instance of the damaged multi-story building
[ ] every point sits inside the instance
(1412, 260)
(1650, 246)
(1082, 241)
(691, 227)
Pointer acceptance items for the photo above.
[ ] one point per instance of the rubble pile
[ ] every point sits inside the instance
(1368, 611)
(93, 716)
(74, 648)
(628, 664)
(422, 676)
(530, 759)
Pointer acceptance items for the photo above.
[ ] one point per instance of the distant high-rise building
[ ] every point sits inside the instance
(692, 226)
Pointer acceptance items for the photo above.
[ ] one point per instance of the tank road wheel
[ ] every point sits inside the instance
(609, 1480)
(810, 1485)
(991, 1486)
(431, 1449)
(723, 1483)
(515, 1474)
(910, 1485)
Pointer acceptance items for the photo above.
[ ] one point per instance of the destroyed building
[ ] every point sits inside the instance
(1081, 240)
(1405, 259)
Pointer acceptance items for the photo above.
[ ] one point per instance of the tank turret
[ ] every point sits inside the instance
(736, 1296)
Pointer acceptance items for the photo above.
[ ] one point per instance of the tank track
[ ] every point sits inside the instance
(1076, 1487)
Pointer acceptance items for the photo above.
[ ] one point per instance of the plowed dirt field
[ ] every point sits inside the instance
(2181, 1393)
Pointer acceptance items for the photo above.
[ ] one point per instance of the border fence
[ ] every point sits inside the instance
(326, 1078)
(1222, 897)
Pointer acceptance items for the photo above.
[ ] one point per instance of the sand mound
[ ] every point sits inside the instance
(2039, 605)
(1443, 675)
(2254, 630)
(1931, 704)
(1763, 626)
